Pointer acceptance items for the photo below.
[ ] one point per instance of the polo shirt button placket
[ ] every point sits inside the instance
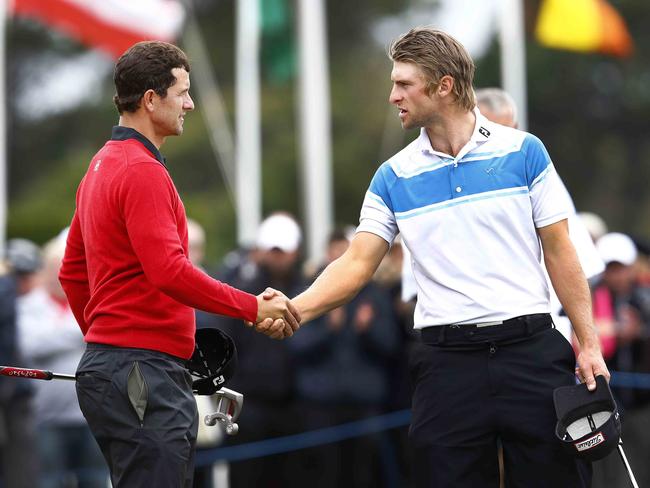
(454, 177)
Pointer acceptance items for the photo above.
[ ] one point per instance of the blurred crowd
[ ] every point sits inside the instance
(44, 439)
(353, 363)
(350, 364)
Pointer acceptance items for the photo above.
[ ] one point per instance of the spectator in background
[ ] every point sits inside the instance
(342, 375)
(622, 303)
(195, 243)
(497, 106)
(643, 260)
(50, 339)
(24, 259)
(265, 372)
(621, 300)
(19, 466)
(595, 225)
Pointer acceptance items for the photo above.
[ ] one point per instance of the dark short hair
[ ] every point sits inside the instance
(146, 66)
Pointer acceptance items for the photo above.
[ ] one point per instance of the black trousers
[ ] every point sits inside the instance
(140, 408)
(474, 385)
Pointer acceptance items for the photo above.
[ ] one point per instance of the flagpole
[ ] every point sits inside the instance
(212, 106)
(248, 181)
(314, 123)
(513, 55)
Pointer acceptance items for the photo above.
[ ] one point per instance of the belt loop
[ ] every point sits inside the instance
(441, 336)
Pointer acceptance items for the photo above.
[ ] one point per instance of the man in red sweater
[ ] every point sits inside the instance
(133, 289)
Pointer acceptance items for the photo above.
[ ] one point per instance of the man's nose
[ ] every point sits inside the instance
(189, 103)
(394, 96)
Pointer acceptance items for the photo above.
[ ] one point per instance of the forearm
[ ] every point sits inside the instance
(572, 290)
(337, 285)
(192, 287)
(571, 287)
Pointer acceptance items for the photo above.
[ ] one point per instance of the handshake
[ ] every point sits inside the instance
(277, 317)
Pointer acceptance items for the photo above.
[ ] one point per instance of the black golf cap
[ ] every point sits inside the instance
(213, 362)
(588, 424)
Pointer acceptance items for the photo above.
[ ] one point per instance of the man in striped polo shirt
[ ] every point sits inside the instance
(476, 204)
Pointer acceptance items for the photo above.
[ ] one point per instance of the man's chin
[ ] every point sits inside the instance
(408, 125)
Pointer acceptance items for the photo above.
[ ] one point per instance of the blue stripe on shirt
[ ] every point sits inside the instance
(537, 158)
(513, 170)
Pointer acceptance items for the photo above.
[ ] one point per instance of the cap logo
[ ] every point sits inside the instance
(590, 443)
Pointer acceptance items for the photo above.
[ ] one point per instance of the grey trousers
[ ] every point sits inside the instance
(140, 408)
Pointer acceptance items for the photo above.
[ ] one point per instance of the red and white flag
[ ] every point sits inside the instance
(110, 25)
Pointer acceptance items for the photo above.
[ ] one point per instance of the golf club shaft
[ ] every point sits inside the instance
(34, 374)
(627, 465)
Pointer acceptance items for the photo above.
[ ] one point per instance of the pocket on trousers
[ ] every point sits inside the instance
(563, 344)
(137, 391)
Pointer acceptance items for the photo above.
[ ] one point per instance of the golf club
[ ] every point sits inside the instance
(229, 402)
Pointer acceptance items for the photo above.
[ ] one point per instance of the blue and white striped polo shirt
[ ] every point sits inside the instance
(470, 223)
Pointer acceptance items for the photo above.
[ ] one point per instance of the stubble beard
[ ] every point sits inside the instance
(178, 130)
(411, 123)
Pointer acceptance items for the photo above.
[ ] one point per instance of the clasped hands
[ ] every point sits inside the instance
(277, 317)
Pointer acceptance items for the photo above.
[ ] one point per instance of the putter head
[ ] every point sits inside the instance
(229, 406)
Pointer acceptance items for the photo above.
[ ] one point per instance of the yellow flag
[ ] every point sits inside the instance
(584, 26)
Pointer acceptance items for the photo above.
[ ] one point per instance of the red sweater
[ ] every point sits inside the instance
(125, 270)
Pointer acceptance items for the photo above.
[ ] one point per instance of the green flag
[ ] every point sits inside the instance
(278, 52)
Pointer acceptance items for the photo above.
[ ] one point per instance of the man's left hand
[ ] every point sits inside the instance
(590, 365)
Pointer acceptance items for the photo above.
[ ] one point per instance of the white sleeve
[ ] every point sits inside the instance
(377, 218)
(548, 198)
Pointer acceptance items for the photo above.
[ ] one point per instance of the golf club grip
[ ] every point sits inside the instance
(34, 374)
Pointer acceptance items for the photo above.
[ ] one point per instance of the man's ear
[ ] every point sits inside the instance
(148, 100)
(445, 86)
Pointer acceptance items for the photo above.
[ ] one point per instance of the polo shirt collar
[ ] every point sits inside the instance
(121, 133)
(482, 129)
(482, 132)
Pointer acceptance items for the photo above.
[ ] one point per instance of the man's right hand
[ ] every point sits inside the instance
(277, 317)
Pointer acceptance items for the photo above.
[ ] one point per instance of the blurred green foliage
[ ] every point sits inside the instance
(591, 111)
